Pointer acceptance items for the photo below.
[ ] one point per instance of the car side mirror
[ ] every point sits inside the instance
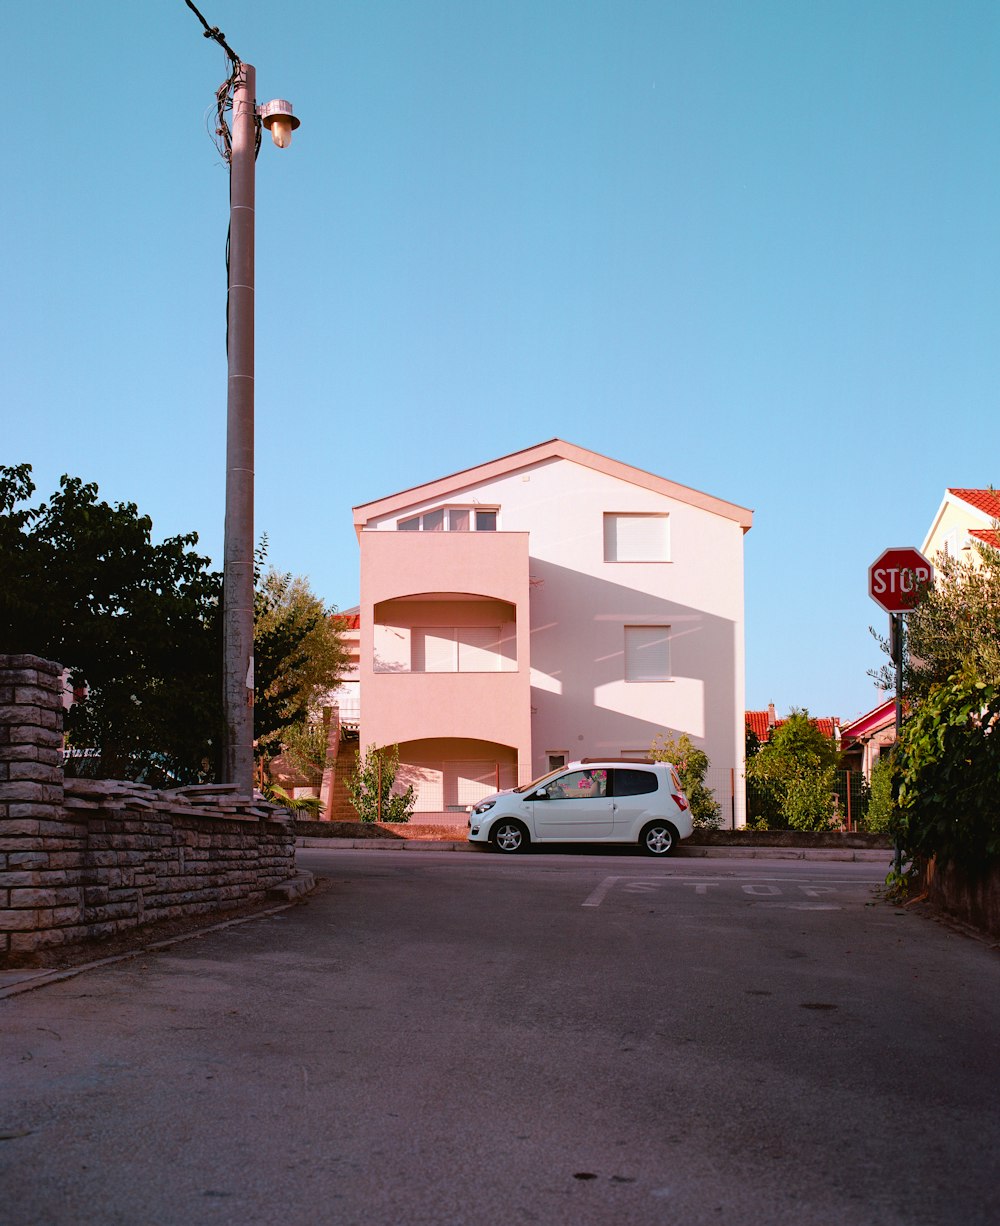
(542, 795)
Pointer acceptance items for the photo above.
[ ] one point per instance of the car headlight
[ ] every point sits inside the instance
(484, 807)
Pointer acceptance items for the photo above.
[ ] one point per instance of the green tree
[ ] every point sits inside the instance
(139, 626)
(692, 765)
(137, 623)
(371, 787)
(793, 777)
(299, 655)
(946, 772)
(880, 811)
(304, 747)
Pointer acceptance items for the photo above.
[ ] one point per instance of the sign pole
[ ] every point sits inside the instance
(896, 640)
(896, 581)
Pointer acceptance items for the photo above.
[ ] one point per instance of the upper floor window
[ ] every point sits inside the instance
(457, 649)
(451, 519)
(636, 537)
(647, 653)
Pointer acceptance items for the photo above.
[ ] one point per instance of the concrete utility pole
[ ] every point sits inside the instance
(237, 615)
(239, 536)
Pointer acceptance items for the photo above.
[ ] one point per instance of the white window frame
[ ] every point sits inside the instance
(636, 536)
(647, 654)
(469, 646)
(415, 523)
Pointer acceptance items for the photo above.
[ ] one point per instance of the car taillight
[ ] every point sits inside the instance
(680, 800)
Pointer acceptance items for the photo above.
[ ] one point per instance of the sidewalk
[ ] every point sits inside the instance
(684, 850)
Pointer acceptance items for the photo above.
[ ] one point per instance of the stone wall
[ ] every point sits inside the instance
(82, 859)
(972, 897)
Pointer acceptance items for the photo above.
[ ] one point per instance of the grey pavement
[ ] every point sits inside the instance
(19, 979)
(572, 1039)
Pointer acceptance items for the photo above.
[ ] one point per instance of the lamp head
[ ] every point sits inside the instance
(277, 117)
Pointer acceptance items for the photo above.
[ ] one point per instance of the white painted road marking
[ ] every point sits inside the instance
(597, 897)
(758, 888)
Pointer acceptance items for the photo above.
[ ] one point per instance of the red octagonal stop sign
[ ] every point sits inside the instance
(897, 578)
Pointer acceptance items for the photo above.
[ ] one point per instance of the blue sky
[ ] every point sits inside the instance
(751, 247)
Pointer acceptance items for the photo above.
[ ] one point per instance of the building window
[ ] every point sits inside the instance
(556, 759)
(451, 519)
(456, 649)
(636, 538)
(647, 653)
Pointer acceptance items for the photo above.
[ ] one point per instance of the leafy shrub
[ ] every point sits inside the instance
(948, 764)
(791, 782)
(310, 805)
(881, 809)
(692, 766)
(371, 788)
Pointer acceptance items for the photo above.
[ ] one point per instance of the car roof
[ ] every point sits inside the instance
(617, 762)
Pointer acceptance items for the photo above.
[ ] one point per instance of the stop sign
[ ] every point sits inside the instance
(897, 578)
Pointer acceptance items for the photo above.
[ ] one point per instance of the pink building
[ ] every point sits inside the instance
(545, 606)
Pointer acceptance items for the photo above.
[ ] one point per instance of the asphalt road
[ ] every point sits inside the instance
(474, 1039)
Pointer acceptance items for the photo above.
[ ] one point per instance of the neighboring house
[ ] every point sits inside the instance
(865, 739)
(965, 516)
(345, 698)
(763, 724)
(545, 606)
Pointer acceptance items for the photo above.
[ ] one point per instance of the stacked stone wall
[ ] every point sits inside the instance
(84, 859)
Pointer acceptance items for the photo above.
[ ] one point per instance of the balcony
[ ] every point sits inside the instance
(444, 637)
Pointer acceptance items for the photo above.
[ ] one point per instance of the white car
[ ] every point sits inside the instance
(595, 800)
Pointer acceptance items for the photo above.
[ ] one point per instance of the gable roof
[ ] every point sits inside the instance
(872, 720)
(983, 504)
(553, 449)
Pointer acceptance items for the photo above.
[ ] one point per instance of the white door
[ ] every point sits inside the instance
(577, 807)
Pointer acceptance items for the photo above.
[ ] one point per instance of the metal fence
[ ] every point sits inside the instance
(848, 812)
(849, 807)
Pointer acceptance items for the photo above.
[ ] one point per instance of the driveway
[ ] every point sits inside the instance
(442, 1038)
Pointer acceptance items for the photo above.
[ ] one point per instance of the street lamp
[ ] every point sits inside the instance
(238, 575)
(277, 117)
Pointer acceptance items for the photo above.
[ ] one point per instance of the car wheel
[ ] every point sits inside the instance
(509, 836)
(658, 839)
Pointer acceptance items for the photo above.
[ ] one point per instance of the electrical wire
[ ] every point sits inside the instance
(223, 134)
(224, 94)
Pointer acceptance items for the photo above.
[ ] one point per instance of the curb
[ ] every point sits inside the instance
(695, 851)
(302, 883)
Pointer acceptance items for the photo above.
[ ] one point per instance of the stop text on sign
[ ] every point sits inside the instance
(891, 580)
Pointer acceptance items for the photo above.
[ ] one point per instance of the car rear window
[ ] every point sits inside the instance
(634, 783)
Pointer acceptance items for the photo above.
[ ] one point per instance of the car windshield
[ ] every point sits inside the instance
(542, 779)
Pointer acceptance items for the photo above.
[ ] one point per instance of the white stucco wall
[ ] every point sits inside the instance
(580, 604)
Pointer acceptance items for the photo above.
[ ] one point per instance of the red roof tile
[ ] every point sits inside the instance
(987, 535)
(987, 501)
(759, 722)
